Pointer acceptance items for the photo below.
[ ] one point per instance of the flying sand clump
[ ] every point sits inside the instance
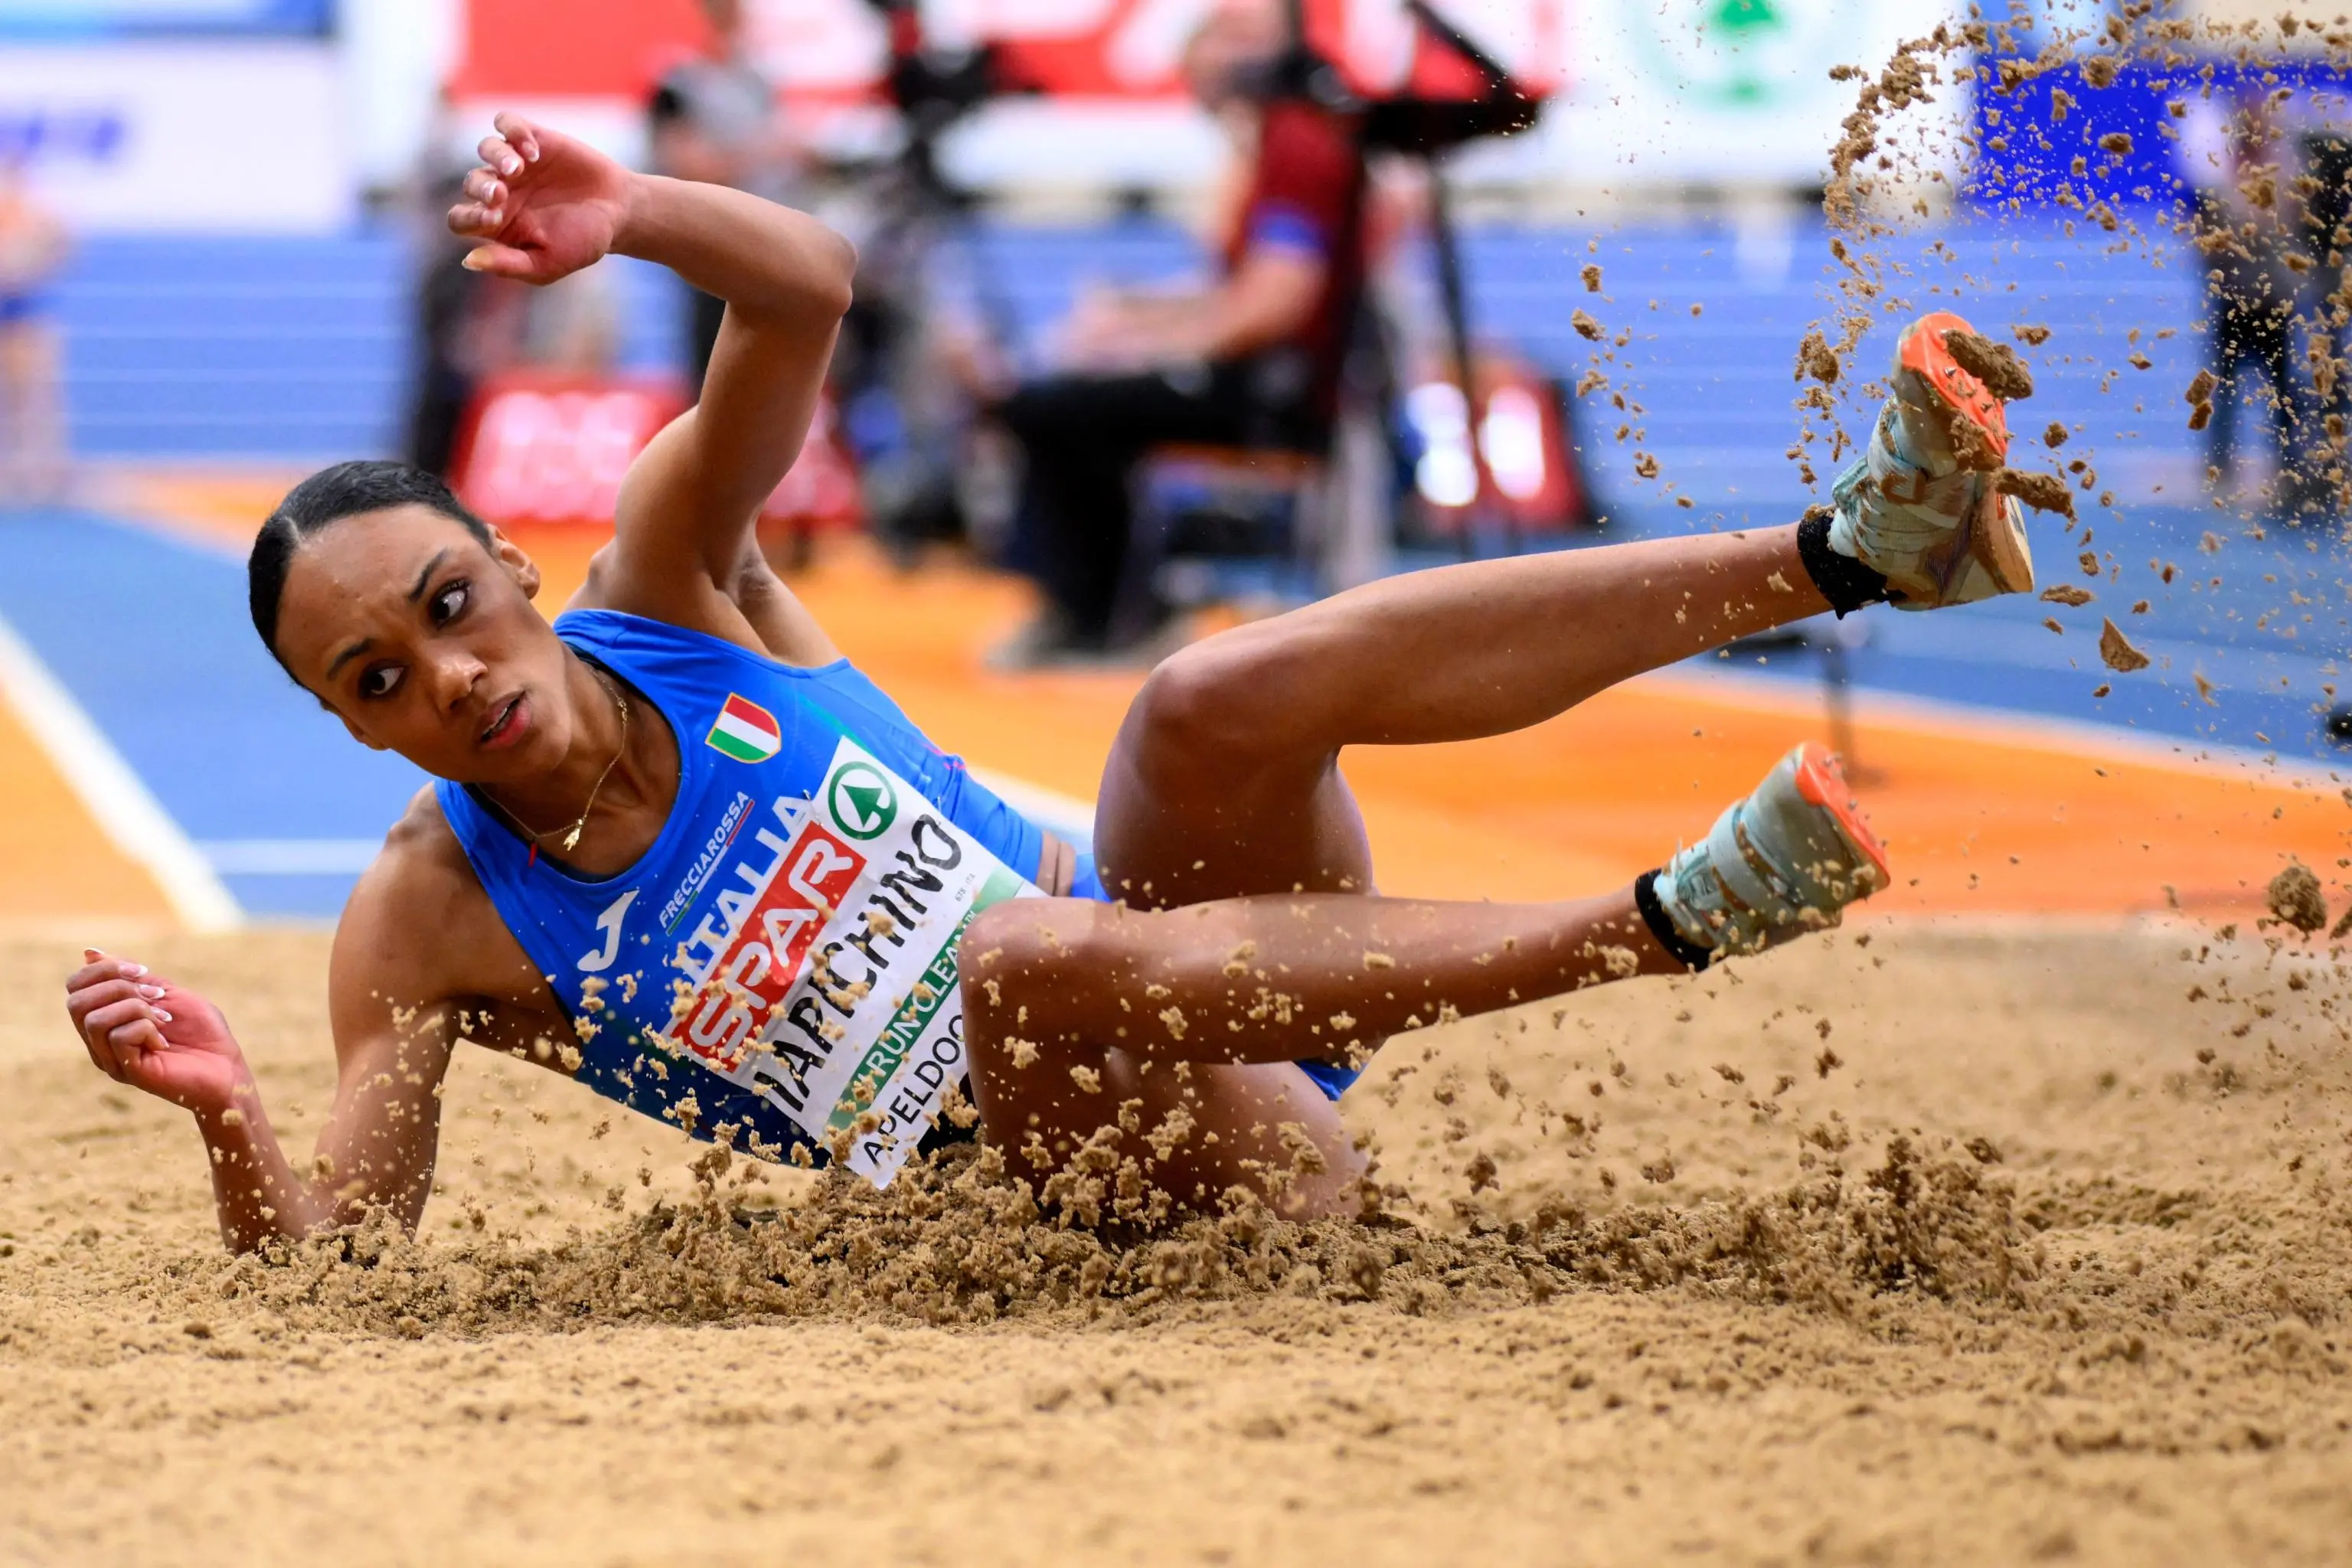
(2043, 492)
(2294, 897)
(1996, 365)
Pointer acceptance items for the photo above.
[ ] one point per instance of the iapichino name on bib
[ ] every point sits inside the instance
(831, 990)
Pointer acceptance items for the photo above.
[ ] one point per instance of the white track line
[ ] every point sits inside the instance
(1064, 815)
(1797, 697)
(291, 856)
(126, 811)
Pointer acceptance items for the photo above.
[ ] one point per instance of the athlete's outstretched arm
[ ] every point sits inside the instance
(376, 1148)
(409, 931)
(545, 206)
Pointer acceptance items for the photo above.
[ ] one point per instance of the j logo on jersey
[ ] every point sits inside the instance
(745, 731)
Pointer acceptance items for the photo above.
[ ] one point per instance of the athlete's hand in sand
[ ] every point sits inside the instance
(142, 1030)
(544, 204)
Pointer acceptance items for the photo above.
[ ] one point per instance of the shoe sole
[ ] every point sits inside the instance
(1924, 352)
(1997, 542)
(1998, 539)
(1822, 782)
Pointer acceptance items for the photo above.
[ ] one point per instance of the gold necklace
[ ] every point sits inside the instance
(580, 824)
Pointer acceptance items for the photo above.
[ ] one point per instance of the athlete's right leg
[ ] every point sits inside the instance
(1182, 1030)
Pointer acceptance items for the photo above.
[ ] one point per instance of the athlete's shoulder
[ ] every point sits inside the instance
(648, 585)
(421, 852)
(420, 911)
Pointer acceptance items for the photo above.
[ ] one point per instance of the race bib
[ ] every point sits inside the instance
(834, 995)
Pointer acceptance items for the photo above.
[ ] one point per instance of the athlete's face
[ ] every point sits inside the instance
(426, 642)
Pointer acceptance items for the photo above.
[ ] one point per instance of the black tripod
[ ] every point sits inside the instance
(916, 497)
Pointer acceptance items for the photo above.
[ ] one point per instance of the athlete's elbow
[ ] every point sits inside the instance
(813, 288)
(845, 259)
(834, 287)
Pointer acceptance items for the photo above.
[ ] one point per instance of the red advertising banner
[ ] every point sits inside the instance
(838, 49)
(574, 49)
(542, 448)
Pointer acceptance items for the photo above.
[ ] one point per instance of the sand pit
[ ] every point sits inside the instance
(1968, 1245)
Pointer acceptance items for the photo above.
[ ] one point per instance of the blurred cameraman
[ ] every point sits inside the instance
(1252, 361)
(714, 121)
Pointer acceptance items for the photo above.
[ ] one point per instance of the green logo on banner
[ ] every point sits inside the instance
(1742, 54)
(861, 800)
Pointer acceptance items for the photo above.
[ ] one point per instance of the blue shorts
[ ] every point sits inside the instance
(1086, 882)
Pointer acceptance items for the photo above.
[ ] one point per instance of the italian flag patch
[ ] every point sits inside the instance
(746, 731)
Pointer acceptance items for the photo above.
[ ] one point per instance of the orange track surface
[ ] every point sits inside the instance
(1980, 820)
(56, 866)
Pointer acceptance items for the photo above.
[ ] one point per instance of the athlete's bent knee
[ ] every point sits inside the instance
(1016, 955)
(1212, 703)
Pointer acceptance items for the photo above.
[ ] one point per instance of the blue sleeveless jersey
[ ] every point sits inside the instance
(736, 974)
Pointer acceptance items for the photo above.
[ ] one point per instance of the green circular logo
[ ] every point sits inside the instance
(1742, 54)
(861, 800)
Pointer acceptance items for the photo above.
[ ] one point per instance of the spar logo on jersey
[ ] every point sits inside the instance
(775, 919)
(746, 731)
(861, 799)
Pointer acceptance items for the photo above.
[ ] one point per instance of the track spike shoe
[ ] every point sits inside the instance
(1919, 506)
(1786, 860)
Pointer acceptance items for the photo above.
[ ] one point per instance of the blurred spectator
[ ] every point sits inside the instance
(33, 247)
(714, 119)
(2247, 220)
(2327, 189)
(467, 325)
(1254, 360)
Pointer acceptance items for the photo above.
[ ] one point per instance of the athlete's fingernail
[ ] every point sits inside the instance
(90, 953)
(160, 1015)
(473, 262)
(150, 992)
(509, 164)
(135, 970)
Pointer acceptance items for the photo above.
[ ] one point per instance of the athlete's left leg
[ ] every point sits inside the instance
(1179, 1028)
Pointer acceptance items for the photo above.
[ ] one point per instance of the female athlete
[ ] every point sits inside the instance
(681, 850)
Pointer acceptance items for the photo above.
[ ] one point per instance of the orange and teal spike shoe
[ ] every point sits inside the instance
(1786, 860)
(1919, 506)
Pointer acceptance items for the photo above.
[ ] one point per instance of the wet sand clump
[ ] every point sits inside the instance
(2117, 652)
(2294, 896)
(1996, 365)
(2043, 492)
(1817, 360)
